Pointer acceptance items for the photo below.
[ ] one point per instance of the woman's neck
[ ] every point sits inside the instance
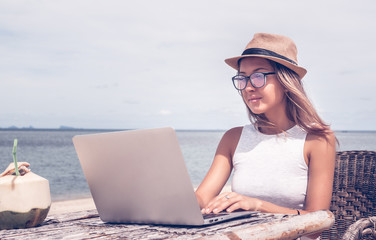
(280, 123)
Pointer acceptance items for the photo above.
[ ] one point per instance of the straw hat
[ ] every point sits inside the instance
(274, 47)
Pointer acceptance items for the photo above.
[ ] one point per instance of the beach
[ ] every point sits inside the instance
(82, 204)
(67, 206)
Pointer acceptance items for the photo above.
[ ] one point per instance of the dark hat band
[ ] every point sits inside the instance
(265, 52)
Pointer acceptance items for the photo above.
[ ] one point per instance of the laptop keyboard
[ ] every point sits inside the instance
(212, 215)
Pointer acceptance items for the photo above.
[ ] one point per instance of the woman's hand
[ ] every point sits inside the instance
(231, 201)
(11, 168)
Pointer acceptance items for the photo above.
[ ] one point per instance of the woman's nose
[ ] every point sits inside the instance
(249, 87)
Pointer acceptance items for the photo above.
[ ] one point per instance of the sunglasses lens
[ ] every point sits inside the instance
(239, 82)
(258, 80)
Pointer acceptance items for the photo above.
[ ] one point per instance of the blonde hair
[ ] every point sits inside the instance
(299, 108)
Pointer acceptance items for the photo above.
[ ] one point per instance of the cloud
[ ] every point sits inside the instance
(107, 63)
(164, 112)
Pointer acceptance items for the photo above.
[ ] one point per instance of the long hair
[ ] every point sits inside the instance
(298, 107)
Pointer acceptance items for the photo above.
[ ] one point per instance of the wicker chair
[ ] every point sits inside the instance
(354, 196)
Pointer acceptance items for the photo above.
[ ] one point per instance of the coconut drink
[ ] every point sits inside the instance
(24, 196)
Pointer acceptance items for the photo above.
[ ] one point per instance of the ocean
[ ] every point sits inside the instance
(52, 156)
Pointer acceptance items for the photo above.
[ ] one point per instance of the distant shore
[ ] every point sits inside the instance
(60, 129)
(66, 128)
(98, 129)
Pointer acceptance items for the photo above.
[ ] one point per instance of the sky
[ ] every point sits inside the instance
(143, 64)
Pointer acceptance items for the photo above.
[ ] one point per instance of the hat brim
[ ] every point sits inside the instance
(233, 62)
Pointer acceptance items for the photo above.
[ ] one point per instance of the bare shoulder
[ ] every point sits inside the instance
(229, 141)
(233, 133)
(321, 147)
(317, 141)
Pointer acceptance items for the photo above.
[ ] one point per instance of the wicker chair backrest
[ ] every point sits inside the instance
(354, 190)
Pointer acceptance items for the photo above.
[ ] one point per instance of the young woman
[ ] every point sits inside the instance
(283, 162)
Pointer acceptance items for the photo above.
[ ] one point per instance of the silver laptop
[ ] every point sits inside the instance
(139, 176)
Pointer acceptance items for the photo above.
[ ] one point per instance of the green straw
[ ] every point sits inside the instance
(15, 157)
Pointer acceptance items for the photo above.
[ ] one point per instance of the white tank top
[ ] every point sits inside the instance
(271, 167)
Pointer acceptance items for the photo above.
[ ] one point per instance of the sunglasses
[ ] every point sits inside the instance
(257, 79)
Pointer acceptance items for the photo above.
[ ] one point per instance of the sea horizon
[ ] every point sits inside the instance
(67, 128)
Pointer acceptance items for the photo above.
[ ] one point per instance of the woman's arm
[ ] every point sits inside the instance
(220, 169)
(321, 153)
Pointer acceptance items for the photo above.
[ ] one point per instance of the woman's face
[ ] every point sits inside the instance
(269, 99)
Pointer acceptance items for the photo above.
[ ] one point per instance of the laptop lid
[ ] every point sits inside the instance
(138, 176)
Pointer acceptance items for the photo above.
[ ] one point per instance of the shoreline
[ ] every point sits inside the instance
(83, 204)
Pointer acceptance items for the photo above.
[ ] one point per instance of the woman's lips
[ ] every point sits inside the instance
(254, 99)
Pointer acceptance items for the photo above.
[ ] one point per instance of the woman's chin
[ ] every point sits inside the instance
(257, 111)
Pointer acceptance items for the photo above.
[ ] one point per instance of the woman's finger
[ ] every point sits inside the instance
(227, 201)
(11, 168)
(215, 202)
(222, 202)
(234, 207)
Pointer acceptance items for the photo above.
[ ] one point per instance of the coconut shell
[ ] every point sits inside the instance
(24, 200)
(32, 218)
